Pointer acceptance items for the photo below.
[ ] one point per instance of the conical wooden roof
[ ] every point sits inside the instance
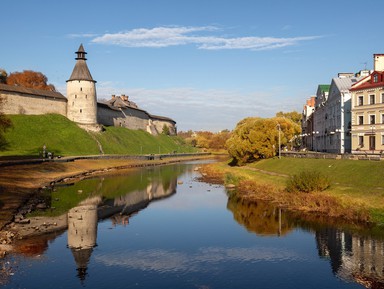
(81, 71)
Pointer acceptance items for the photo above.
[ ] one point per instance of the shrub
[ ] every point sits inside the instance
(308, 181)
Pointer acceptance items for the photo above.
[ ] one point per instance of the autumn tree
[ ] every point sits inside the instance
(30, 79)
(256, 138)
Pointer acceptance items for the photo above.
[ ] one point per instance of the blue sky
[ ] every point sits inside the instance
(205, 63)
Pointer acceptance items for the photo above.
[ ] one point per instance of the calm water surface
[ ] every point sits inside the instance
(162, 228)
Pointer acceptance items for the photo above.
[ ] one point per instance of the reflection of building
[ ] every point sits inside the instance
(82, 233)
(138, 199)
(353, 258)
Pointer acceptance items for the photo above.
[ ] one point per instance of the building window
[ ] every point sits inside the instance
(382, 139)
(81, 110)
(361, 140)
(375, 78)
(73, 103)
(372, 119)
(81, 89)
(361, 119)
(361, 100)
(382, 98)
(372, 99)
(75, 96)
(382, 118)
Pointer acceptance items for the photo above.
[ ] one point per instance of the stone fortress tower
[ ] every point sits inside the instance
(81, 94)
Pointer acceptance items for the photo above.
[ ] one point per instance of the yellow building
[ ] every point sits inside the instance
(368, 111)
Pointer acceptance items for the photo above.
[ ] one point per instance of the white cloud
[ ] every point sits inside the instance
(211, 109)
(199, 36)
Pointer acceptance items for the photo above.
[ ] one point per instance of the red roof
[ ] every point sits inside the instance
(375, 79)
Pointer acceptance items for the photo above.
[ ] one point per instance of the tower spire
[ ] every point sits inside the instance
(81, 53)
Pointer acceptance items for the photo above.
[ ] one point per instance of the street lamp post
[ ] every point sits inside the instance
(279, 128)
(372, 139)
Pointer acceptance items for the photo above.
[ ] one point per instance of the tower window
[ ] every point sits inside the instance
(81, 110)
(86, 96)
(81, 89)
(75, 96)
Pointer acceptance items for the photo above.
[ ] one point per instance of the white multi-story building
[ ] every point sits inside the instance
(338, 114)
(319, 128)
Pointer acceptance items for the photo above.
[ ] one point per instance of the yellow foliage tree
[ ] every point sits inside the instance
(256, 138)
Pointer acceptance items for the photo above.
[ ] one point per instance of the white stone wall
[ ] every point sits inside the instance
(82, 103)
(159, 125)
(15, 103)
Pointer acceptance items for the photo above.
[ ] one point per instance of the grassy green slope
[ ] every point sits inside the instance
(63, 137)
(118, 140)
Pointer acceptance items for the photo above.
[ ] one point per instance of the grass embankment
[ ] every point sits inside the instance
(63, 137)
(356, 192)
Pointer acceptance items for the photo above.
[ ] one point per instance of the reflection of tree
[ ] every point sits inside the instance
(259, 217)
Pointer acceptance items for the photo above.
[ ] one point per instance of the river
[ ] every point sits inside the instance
(162, 227)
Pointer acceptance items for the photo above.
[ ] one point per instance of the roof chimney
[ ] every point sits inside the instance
(378, 62)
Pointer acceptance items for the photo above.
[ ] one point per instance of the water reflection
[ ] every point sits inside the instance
(260, 217)
(83, 219)
(353, 257)
(82, 233)
(166, 246)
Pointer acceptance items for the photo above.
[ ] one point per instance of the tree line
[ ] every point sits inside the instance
(253, 138)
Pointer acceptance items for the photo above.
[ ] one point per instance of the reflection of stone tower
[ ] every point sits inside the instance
(82, 233)
(81, 94)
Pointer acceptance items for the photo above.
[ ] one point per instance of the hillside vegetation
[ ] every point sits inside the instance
(63, 137)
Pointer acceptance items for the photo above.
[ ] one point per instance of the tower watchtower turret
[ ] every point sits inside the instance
(81, 94)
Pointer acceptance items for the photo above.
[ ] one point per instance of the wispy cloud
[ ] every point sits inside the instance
(197, 109)
(82, 35)
(204, 37)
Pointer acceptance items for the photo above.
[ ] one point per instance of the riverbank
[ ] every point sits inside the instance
(20, 184)
(355, 196)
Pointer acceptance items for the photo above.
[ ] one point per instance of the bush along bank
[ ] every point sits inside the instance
(294, 193)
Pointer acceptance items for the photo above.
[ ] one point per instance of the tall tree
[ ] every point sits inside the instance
(30, 79)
